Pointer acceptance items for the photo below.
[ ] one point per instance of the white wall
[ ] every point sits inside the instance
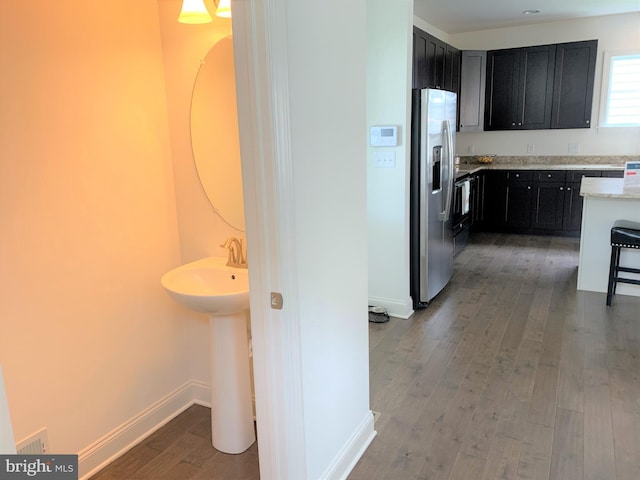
(614, 32)
(88, 338)
(389, 46)
(302, 75)
(327, 74)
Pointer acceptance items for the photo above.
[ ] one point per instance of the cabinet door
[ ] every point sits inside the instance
(420, 40)
(501, 97)
(573, 85)
(548, 206)
(535, 88)
(436, 55)
(495, 199)
(518, 208)
(451, 69)
(572, 217)
(472, 81)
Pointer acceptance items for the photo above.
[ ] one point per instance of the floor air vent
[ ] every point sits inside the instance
(36, 444)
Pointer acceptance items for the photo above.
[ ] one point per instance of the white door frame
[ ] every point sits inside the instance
(260, 49)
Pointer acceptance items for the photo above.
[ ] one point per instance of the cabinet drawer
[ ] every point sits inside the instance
(520, 175)
(551, 175)
(575, 176)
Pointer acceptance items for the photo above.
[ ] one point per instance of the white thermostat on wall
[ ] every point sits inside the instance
(384, 136)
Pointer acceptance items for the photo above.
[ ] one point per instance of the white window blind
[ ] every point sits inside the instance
(623, 96)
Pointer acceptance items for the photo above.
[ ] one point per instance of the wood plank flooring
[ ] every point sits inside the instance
(510, 373)
(182, 450)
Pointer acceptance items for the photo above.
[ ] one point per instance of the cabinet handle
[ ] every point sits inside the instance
(528, 187)
(568, 189)
(587, 121)
(517, 175)
(549, 176)
(561, 188)
(519, 123)
(513, 124)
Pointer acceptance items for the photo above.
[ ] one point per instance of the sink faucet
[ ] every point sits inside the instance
(237, 255)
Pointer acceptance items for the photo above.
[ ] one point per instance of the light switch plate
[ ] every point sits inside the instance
(385, 159)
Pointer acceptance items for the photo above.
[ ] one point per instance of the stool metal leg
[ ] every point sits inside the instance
(613, 272)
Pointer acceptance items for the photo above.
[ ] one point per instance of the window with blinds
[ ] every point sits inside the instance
(623, 94)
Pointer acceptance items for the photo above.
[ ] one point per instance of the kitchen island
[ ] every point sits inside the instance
(605, 201)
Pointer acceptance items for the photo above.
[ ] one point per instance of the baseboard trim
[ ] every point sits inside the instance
(355, 447)
(112, 445)
(394, 308)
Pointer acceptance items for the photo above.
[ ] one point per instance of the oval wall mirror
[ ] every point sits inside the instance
(214, 133)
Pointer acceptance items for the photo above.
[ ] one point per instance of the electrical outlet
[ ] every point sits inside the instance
(531, 147)
(385, 159)
(574, 148)
(471, 149)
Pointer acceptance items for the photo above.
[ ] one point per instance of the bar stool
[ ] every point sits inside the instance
(624, 234)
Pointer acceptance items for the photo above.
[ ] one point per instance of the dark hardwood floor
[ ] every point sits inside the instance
(510, 373)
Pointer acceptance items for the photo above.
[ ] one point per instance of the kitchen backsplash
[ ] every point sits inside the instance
(552, 160)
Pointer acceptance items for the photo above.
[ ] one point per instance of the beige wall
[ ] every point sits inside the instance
(200, 229)
(88, 339)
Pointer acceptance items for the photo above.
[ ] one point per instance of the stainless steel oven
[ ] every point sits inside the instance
(461, 212)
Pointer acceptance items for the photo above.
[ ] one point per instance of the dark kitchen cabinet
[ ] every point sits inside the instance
(543, 202)
(541, 87)
(436, 57)
(420, 40)
(435, 63)
(547, 210)
(494, 200)
(572, 208)
(519, 88)
(573, 84)
(452, 62)
(518, 195)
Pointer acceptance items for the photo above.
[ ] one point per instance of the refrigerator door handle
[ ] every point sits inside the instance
(448, 140)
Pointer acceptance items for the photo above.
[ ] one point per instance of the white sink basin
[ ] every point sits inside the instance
(209, 286)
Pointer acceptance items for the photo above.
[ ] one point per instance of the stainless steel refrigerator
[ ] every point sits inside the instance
(432, 174)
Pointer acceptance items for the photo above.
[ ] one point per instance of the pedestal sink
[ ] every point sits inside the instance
(209, 286)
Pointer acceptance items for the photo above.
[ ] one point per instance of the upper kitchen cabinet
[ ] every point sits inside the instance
(540, 87)
(473, 68)
(435, 64)
(519, 88)
(573, 84)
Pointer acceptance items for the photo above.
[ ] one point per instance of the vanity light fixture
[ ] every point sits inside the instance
(530, 12)
(194, 12)
(224, 9)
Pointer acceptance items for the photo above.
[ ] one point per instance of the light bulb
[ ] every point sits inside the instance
(194, 11)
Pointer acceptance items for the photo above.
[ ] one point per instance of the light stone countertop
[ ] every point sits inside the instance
(469, 168)
(607, 188)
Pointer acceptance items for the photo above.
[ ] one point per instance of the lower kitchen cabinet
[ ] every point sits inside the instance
(543, 202)
(572, 208)
(519, 194)
(494, 201)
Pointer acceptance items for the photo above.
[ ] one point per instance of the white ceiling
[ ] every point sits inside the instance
(457, 16)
